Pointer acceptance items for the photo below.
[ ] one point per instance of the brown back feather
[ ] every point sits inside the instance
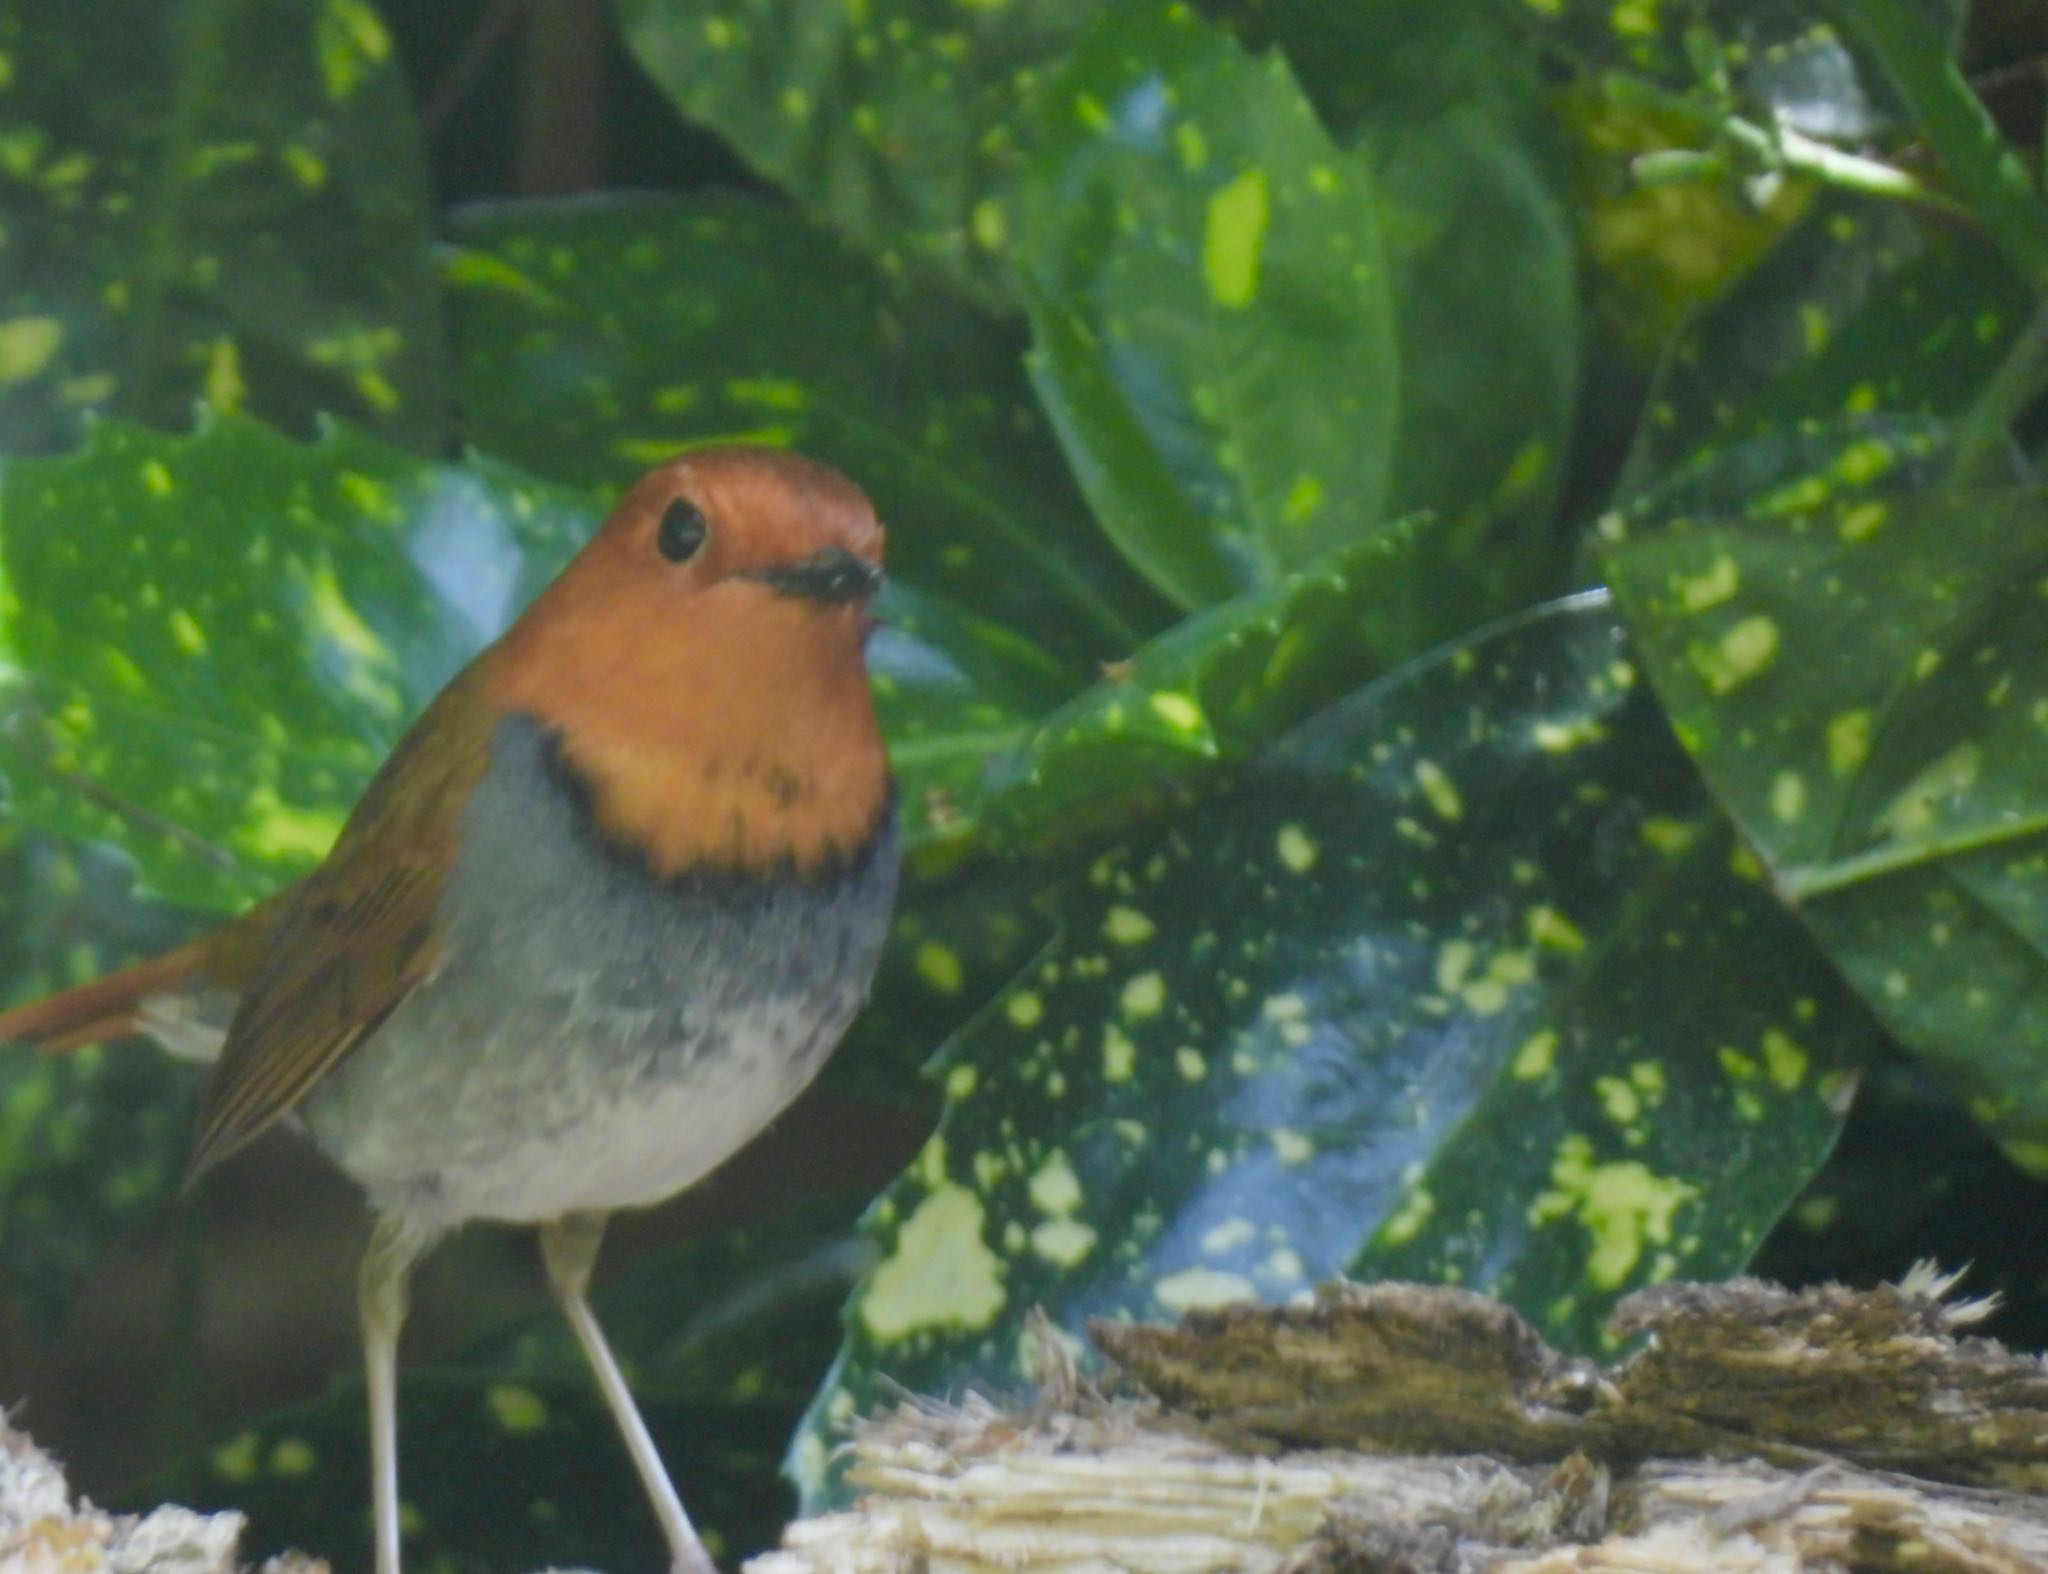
(358, 935)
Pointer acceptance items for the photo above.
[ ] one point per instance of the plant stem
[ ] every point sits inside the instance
(470, 61)
(1987, 172)
(1780, 148)
(24, 731)
(199, 33)
(561, 130)
(2021, 378)
(1853, 172)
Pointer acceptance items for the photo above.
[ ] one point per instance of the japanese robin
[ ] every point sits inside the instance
(602, 914)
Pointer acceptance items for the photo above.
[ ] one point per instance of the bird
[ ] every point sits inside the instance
(604, 911)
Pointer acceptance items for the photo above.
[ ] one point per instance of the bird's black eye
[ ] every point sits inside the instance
(682, 532)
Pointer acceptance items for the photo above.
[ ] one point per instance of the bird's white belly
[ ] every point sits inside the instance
(530, 1131)
(625, 1147)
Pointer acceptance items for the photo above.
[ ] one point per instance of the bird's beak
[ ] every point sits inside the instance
(833, 576)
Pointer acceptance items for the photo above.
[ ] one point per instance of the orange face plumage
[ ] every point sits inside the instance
(701, 661)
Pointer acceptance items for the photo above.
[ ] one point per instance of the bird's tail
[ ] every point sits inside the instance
(106, 1008)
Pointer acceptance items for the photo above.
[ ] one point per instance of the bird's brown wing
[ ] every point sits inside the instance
(358, 935)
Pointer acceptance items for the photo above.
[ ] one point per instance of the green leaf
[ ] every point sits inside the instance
(1216, 688)
(1490, 354)
(1207, 273)
(67, 914)
(1448, 104)
(1145, 739)
(1858, 669)
(221, 635)
(1858, 309)
(597, 337)
(222, 200)
(1915, 1178)
(1912, 45)
(1400, 1004)
(952, 692)
(91, 1144)
(953, 946)
(1135, 488)
(898, 122)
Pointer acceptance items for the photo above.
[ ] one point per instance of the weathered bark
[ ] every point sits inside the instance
(1397, 1428)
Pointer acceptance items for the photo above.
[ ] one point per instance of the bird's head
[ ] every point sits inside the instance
(701, 665)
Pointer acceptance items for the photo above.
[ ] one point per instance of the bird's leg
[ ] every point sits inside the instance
(569, 1245)
(395, 1245)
